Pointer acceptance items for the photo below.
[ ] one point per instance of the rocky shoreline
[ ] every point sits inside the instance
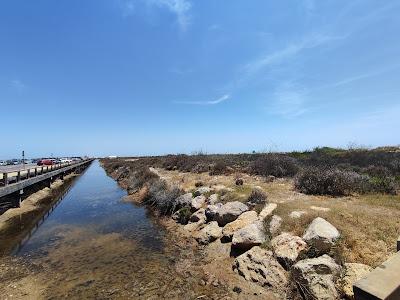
(282, 265)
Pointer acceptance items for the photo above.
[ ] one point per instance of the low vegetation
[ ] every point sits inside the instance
(323, 171)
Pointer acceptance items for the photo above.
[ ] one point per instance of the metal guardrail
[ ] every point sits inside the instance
(26, 173)
(20, 181)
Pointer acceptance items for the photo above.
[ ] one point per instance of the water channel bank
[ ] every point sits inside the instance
(94, 245)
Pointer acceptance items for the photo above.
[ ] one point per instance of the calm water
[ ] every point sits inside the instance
(95, 203)
(93, 245)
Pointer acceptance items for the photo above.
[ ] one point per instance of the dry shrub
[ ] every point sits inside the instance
(277, 165)
(257, 196)
(219, 168)
(336, 182)
(329, 181)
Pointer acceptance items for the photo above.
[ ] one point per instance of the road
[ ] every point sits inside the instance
(15, 168)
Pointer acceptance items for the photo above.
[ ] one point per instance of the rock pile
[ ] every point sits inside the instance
(269, 258)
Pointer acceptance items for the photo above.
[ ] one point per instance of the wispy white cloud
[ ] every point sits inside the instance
(210, 102)
(181, 8)
(128, 8)
(309, 6)
(17, 85)
(288, 100)
(290, 51)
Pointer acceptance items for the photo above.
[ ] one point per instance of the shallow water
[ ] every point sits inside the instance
(94, 245)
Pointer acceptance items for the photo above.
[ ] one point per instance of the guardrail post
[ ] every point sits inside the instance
(35, 172)
(18, 176)
(28, 174)
(5, 178)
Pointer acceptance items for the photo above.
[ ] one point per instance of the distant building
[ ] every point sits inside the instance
(112, 156)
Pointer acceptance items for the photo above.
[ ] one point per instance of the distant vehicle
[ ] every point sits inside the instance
(45, 162)
(3, 163)
(65, 160)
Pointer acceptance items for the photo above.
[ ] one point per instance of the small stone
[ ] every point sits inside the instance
(202, 190)
(267, 210)
(209, 233)
(213, 199)
(287, 248)
(243, 220)
(198, 202)
(229, 212)
(319, 208)
(275, 224)
(297, 214)
(211, 211)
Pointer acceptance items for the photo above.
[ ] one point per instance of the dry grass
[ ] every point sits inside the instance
(369, 224)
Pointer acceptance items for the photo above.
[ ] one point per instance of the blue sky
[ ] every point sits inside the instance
(131, 77)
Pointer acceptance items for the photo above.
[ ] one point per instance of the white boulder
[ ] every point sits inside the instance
(321, 235)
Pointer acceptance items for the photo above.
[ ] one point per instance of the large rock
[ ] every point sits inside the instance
(259, 266)
(202, 190)
(213, 199)
(316, 277)
(198, 202)
(267, 210)
(211, 211)
(351, 273)
(198, 216)
(184, 200)
(321, 235)
(243, 220)
(287, 248)
(275, 224)
(249, 236)
(229, 212)
(209, 233)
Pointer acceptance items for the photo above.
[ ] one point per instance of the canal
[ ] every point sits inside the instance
(95, 245)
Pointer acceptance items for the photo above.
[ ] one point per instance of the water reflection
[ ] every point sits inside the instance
(94, 203)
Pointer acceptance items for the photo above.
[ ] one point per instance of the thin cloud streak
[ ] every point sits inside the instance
(290, 51)
(212, 102)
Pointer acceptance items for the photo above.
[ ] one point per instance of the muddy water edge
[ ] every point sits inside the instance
(95, 245)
